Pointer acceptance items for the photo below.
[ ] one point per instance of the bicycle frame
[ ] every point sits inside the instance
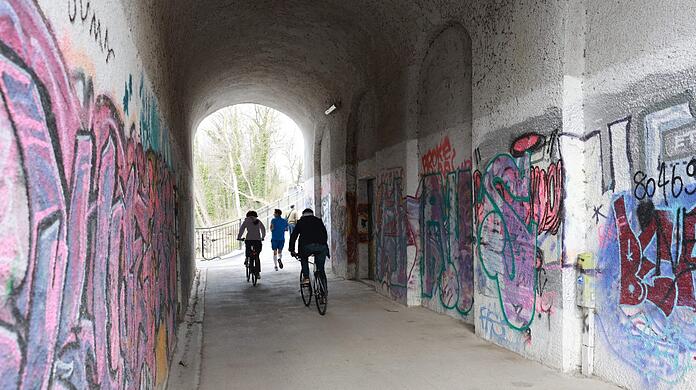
(253, 263)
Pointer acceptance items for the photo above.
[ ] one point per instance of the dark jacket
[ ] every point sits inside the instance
(311, 231)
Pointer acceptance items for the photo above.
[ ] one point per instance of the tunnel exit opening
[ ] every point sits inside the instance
(245, 157)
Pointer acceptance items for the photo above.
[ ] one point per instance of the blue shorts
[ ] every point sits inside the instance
(277, 244)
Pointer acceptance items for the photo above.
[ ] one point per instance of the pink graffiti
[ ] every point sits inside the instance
(547, 197)
(440, 159)
(98, 278)
(507, 244)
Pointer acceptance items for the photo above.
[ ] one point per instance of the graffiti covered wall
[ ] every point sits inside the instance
(391, 236)
(335, 216)
(518, 214)
(395, 222)
(445, 225)
(88, 282)
(645, 218)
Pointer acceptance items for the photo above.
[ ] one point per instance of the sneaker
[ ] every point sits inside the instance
(276, 268)
(258, 277)
(280, 263)
(305, 282)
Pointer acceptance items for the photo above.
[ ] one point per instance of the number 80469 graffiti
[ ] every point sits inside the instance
(645, 186)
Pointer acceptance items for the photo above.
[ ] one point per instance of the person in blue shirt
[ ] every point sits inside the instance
(278, 227)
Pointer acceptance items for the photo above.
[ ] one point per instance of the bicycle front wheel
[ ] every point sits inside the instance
(321, 298)
(306, 291)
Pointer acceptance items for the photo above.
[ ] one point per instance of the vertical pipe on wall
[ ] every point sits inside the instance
(585, 296)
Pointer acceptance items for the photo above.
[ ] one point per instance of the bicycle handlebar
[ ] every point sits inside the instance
(297, 257)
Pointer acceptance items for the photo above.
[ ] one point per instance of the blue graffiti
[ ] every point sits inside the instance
(660, 346)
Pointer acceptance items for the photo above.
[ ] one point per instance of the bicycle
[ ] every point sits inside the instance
(251, 263)
(318, 290)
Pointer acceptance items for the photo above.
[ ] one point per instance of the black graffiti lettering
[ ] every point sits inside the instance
(72, 11)
(662, 181)
(95, 31)
(84, 11)
(691, 172)
(95, 26)
(642, 186)
(645, 186)
(110, 53)
(676, 178)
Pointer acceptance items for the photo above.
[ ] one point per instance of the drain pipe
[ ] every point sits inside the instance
(585, 296)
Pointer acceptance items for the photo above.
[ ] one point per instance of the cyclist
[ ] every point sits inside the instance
(255, 234)
(292, 218)
(278, 227)
(313, 241)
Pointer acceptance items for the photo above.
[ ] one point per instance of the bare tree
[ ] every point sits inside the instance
(234, 166)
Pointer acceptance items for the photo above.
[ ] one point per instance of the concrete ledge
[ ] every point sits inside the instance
(185, 367)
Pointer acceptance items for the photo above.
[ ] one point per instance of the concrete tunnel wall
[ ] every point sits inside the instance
(92, 271)
(496, 134)
(540, 133)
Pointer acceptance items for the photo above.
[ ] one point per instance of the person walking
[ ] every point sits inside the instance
(292, 219)
(278, 228)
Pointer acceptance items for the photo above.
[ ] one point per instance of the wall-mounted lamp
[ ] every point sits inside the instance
(331, 109)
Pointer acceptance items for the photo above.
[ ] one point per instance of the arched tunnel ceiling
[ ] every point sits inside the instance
(297, 56)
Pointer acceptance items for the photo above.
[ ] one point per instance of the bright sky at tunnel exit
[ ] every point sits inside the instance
(288, 131)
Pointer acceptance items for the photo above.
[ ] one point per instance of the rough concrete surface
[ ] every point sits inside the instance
(264, 338)
(186, 364)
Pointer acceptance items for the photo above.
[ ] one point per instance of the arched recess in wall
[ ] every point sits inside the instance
(445, 190)
(445, 91)
(363, 126)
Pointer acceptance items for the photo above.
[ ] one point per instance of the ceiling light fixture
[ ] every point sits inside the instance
(331, 109)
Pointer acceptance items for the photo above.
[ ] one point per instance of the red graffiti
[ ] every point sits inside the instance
(546, 207)
(641, 277)
(528, 142)
(547, 197)
(440, 159)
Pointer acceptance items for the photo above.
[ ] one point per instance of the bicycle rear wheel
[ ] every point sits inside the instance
(248, 274)
(255, 270)
(320, 299)
(306, 291)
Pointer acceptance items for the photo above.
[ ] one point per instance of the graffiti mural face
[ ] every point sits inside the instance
(647, 302)
(87, 272)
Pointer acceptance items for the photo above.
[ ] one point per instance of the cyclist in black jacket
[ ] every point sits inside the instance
(313, 241)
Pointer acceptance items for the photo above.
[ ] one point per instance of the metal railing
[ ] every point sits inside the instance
(216, 241)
